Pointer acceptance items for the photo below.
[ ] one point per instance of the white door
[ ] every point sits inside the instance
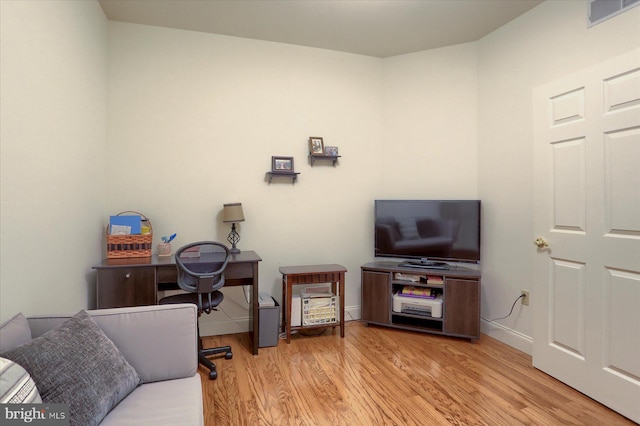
(586, 299)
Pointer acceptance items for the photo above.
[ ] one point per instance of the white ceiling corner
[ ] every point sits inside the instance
(379, 28)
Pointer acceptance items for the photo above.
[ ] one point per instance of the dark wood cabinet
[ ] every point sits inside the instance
(462, 307)
(376, 297)
(460, 289)
(120, 287)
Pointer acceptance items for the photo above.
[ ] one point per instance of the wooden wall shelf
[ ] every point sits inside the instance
(292, 175)
(333, 158)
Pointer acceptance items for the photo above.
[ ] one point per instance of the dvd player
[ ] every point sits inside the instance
(424, 265)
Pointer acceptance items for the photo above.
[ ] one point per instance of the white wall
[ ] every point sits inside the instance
(194, 119)
(430, 125)
(550, 41)
(53, 153)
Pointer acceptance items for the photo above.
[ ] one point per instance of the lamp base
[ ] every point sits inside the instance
(233, 239)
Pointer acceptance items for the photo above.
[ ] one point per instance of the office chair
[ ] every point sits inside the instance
(201, 274)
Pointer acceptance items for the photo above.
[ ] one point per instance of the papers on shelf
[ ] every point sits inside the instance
(120, 224)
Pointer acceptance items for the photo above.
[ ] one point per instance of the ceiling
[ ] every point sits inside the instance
(379, 28)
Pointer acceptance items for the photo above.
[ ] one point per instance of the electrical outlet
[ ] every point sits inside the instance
(525, 297)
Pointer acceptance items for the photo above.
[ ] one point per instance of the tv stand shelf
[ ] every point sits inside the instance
(460, 289)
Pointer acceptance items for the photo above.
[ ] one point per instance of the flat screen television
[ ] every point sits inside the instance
(428, 233)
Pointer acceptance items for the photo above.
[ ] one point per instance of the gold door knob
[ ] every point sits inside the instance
(541, 242)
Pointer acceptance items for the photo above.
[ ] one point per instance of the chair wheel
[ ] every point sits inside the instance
(228, 355)
(213, 375)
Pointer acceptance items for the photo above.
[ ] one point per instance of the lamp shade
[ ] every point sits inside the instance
(233, 213)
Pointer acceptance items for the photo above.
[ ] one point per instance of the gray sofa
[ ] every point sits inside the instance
(159, 342)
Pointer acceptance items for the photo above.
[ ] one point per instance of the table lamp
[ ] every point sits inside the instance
(233, 213)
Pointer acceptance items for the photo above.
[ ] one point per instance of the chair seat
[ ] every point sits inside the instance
(216, 299)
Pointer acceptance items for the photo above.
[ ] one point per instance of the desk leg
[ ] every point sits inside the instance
(334, 290)
(342, 304)
(286, 298)
(255, 302)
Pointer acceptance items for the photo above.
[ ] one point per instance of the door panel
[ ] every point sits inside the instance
(567, 305)
(622, 182)
(586, 300)
(623, 340)
(569, 185)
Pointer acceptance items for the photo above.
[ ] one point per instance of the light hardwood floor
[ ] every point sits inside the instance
(380, 376)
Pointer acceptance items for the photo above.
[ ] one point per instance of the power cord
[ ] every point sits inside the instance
(511, 311)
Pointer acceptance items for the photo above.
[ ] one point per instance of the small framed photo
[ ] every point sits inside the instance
(282, 164)
(331, 151)
(316, 146)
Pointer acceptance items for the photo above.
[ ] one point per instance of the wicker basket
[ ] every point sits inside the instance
(125, 246)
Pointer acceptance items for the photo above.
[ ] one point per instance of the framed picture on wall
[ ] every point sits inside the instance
(331, 151)
(316, 146)
(281, 164)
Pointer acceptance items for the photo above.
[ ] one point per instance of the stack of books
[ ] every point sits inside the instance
(191, 252)
(421, 292)
(435, 279)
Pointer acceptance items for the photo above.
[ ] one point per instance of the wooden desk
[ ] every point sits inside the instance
(135, 282)
(311, 274)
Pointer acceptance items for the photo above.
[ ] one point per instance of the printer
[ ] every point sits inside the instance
(418, 306)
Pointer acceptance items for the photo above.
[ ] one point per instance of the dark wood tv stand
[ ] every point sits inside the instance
(460, 290)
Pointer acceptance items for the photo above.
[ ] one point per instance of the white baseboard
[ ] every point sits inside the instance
(211, 326)
(513, 338)
(351, 313)
(216, 324)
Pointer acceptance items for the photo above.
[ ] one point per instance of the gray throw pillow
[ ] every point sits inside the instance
(77, 364)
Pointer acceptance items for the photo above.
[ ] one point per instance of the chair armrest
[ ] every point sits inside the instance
(159, 341)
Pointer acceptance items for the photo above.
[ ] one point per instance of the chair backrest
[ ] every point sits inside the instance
(201, 266)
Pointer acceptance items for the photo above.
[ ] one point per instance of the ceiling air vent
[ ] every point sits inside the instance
(601, 10)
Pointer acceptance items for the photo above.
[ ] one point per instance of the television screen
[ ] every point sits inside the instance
(441, 230)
